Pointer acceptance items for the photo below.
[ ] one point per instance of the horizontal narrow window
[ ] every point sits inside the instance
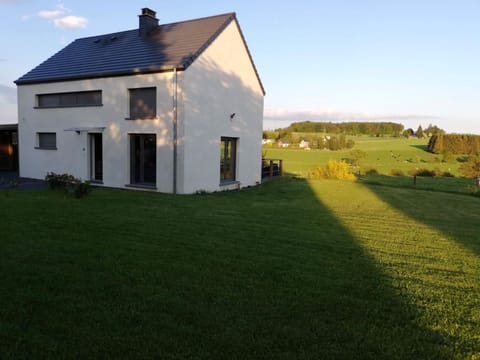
(70, 99)
(46, 140)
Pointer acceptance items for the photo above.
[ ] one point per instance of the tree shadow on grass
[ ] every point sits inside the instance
(421, 147)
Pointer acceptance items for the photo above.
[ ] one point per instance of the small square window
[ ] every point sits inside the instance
(47, 141)
(143, 103)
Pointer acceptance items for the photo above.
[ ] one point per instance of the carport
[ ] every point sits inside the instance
(9, 147)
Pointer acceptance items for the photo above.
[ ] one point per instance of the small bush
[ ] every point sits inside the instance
(69, 184)
(333, 170)
(397, 172)
(423, 172)
(371, 172)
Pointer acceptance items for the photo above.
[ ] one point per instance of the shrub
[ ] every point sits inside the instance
(333, 170)
(371, 172)
(447, 156)
(471, 168)
(397, 172)
(69, 184)
(423, 172)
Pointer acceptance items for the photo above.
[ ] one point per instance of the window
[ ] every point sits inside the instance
(70, 99)
(96, 156)
(143, 103)
(47, 141)
(228, 155)
(143, 159)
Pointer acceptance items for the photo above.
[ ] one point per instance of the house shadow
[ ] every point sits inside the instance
(335, 288)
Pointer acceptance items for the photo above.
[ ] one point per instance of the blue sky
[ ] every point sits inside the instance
(414, 62)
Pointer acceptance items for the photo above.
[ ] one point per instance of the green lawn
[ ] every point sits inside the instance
(383, 155)
(289, 270)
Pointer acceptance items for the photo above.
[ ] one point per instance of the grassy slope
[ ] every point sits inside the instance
(288, 270)
(383, 154)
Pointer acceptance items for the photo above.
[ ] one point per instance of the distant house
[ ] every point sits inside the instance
(283, 144)
(172, 108)
(304, 144)
(9, 147)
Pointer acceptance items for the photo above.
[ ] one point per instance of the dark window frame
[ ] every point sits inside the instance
(143, 160)
(228, 159)
(43, 143)
(142, 103)
(70, 99)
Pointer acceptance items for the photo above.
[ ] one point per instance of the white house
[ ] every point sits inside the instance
(304, 144)
(173, 108)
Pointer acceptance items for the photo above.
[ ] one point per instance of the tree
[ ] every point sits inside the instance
(471, 168)
(420, 132)
(357, 155)
(433, 130)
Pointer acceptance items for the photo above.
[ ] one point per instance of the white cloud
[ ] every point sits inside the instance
(71, 22)
(60, 18)
(53, 14)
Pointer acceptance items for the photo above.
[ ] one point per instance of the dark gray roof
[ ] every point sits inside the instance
(169, 46)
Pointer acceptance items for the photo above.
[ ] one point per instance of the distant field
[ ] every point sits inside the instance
(293, 269)
(384, 155)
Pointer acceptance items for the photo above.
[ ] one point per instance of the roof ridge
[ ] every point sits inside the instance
(200, 18)
(160, 25)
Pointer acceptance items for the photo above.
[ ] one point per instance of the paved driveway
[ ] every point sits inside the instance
(11, 180)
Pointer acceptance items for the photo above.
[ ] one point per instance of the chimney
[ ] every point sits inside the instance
(148, 22)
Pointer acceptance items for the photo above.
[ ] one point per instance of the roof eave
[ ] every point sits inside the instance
(140, 71)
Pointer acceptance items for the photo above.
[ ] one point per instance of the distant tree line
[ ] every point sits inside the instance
(455, 144)
(330, 142)
(347, 128)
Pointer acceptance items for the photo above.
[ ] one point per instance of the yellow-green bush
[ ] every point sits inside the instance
(333, 170)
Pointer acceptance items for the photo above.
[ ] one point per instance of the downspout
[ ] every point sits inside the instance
(175, 130)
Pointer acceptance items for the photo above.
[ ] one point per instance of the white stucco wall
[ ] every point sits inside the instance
(72, 151)
(222, 81)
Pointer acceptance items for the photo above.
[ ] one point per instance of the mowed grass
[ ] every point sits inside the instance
(289, 270)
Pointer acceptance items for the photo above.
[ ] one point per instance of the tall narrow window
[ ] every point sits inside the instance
(46, 141)
(143, 103)
(96, 157)
(143, 159)
(228, 155)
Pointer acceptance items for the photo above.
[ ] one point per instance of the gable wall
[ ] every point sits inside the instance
(222, 81)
